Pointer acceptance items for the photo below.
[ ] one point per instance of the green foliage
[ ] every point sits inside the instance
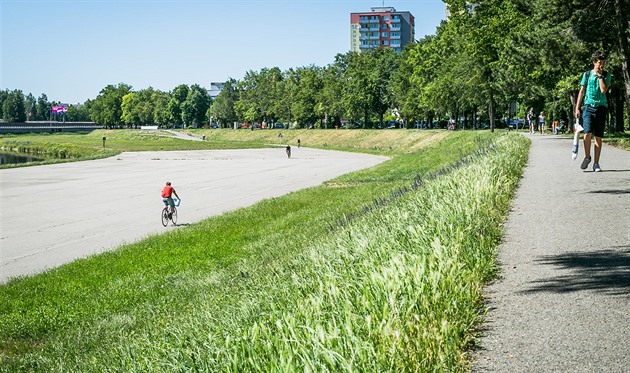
(13, 107)
(195, 107)
(223, 107)
(106, 109)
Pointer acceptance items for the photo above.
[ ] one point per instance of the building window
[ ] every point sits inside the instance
(364, 18)
(385, 42)
(385, 18)
(395, 33)
(385, 34)
(384, 26)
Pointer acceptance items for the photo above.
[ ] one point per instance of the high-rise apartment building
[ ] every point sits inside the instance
(382, 27)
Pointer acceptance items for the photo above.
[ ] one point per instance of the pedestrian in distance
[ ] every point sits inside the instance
(288, 150)
(593, 87)
(530, 120)
(541, 122)
(299, 143)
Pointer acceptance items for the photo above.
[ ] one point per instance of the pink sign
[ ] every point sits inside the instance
(59, 109)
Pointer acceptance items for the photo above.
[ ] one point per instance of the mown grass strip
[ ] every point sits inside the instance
(188, 299)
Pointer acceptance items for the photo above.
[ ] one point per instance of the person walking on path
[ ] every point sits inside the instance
(593, 87)
(530, 120)
(541, 122)
(562, 299)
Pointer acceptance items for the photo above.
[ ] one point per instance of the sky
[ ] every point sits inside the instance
(71, 49)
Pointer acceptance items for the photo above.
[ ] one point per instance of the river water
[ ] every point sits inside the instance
(13, 158)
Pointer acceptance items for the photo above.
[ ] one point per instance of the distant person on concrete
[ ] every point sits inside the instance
(593, 87)
(541, 122)
(299, 143)
(531, 120)
(167, 197)
(288, 150)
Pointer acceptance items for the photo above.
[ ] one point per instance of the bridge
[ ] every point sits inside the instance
(50, 127)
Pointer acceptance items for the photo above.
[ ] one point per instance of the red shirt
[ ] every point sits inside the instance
(167, 192)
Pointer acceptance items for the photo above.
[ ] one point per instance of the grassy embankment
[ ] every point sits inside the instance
(66, 147)
(377, 270)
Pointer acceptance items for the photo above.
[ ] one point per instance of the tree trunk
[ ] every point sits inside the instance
(622, 33)
(619, 127)
(491, 110)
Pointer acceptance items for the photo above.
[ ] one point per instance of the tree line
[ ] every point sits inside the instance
(489, 55)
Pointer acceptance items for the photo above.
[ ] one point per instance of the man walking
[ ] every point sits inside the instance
(594, 85)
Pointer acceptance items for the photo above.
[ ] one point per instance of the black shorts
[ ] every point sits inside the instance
(594, 120)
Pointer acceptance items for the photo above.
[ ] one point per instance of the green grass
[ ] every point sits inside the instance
(66, 147)
(377, 270)
(620, 140)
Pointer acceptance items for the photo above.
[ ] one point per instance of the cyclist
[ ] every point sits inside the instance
(167, 197)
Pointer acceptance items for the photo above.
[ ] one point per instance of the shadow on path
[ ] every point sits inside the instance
(606, 271)
(611, 191)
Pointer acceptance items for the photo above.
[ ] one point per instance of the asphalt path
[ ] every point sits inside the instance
(54, 214)
(562, 303)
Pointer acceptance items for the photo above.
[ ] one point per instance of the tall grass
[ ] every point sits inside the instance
(398, 291)
(281, 286)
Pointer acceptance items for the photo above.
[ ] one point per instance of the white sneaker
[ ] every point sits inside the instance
(596, 168)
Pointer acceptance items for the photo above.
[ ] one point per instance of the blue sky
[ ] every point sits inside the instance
(71, 49)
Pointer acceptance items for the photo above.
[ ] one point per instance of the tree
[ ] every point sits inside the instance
(195, 106)
(298, 94)
(259, 92)
(385, 62)
(13, 108)
(174, 106)
(330, 106)
(129, 109)
(78, 113)
(223, 106)
(357, 89)
(106, 107)
(29, 106)
(4, 94)
(160, 101)
(42, 108)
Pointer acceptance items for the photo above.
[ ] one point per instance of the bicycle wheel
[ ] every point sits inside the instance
(164, 216)
(174, 217)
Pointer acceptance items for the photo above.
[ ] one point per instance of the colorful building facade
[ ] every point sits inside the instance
(382, 27)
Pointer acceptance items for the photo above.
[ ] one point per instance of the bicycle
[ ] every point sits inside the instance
(170, 215)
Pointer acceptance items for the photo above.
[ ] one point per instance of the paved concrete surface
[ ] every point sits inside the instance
(563, 302)
(57, 213)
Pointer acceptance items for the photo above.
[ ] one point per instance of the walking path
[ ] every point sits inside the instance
(563, 301)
